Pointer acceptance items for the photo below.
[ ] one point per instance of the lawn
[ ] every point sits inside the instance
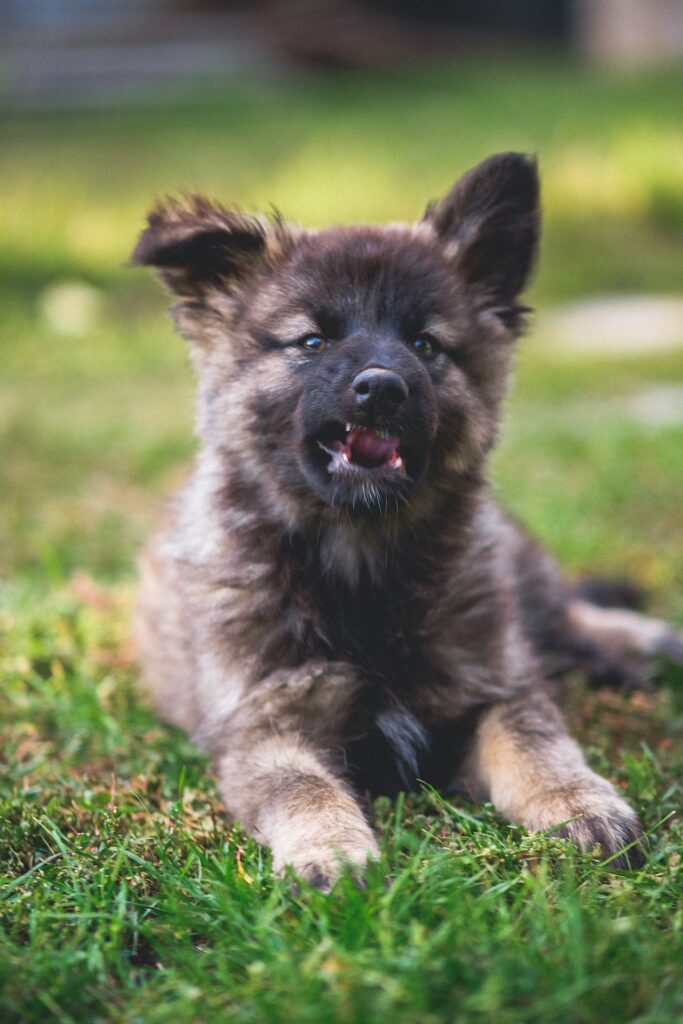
(125, 894)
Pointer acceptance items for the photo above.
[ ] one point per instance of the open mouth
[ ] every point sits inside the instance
(361, 449)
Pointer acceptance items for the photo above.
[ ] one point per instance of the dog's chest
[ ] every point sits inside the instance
(376, 625)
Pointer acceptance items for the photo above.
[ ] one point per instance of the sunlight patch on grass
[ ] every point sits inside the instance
(635, 172)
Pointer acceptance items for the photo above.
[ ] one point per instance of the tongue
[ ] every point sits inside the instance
(368, 448)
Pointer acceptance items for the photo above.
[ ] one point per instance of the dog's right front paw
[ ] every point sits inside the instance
(321, 866)
(317, 875)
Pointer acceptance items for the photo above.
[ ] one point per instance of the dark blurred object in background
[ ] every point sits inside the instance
(89, 50)
(383, 33)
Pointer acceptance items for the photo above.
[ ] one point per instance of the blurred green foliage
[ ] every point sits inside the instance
(75, 186)
(95, 401)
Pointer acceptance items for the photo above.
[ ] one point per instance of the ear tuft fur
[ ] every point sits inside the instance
(197, 243)
(490, 224)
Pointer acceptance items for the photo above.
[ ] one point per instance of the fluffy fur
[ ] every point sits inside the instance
(335, 607)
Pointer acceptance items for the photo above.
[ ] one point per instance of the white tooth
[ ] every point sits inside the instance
(348, 428)
(345, 457)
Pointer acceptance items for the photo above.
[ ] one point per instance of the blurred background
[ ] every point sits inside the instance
(337, 111)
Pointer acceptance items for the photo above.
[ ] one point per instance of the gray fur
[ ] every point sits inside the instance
(332, 636)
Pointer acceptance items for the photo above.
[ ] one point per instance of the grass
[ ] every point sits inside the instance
(129, 897)
(125, 894)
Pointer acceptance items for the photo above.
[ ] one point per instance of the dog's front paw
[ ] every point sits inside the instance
(321, 864)
(592, 814)
(612, 833)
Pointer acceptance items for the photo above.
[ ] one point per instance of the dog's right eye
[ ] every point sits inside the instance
(313, 343)
(425, 346)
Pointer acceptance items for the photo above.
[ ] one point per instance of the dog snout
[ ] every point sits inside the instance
(379, 390)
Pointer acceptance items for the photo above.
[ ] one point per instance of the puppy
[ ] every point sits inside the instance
(335, 606)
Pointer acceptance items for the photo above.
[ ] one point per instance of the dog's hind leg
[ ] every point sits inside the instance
(525, 763)
(621, 632)
(586, 626)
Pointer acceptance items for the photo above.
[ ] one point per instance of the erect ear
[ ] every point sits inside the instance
(198, 243)
(490, 224)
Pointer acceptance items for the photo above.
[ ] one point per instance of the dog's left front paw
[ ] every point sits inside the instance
(612, 833)
(594, 815)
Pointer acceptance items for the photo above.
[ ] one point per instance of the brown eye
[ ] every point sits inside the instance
(313, 343)
(424, 346)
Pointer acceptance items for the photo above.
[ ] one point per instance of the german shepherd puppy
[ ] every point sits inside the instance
(336, 607)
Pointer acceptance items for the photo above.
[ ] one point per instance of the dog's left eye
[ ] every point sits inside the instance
(424, 346)
(313, 343)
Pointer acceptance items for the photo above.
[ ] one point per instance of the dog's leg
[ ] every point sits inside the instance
(524, 762)
(591, 625)
(281, 790)
(622, 632)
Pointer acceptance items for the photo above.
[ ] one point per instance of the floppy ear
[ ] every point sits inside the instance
(198, 243)
(490, 223)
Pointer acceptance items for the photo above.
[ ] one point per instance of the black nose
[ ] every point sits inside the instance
(380, 390)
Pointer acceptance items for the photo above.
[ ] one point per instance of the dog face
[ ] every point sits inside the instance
(353, 368)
